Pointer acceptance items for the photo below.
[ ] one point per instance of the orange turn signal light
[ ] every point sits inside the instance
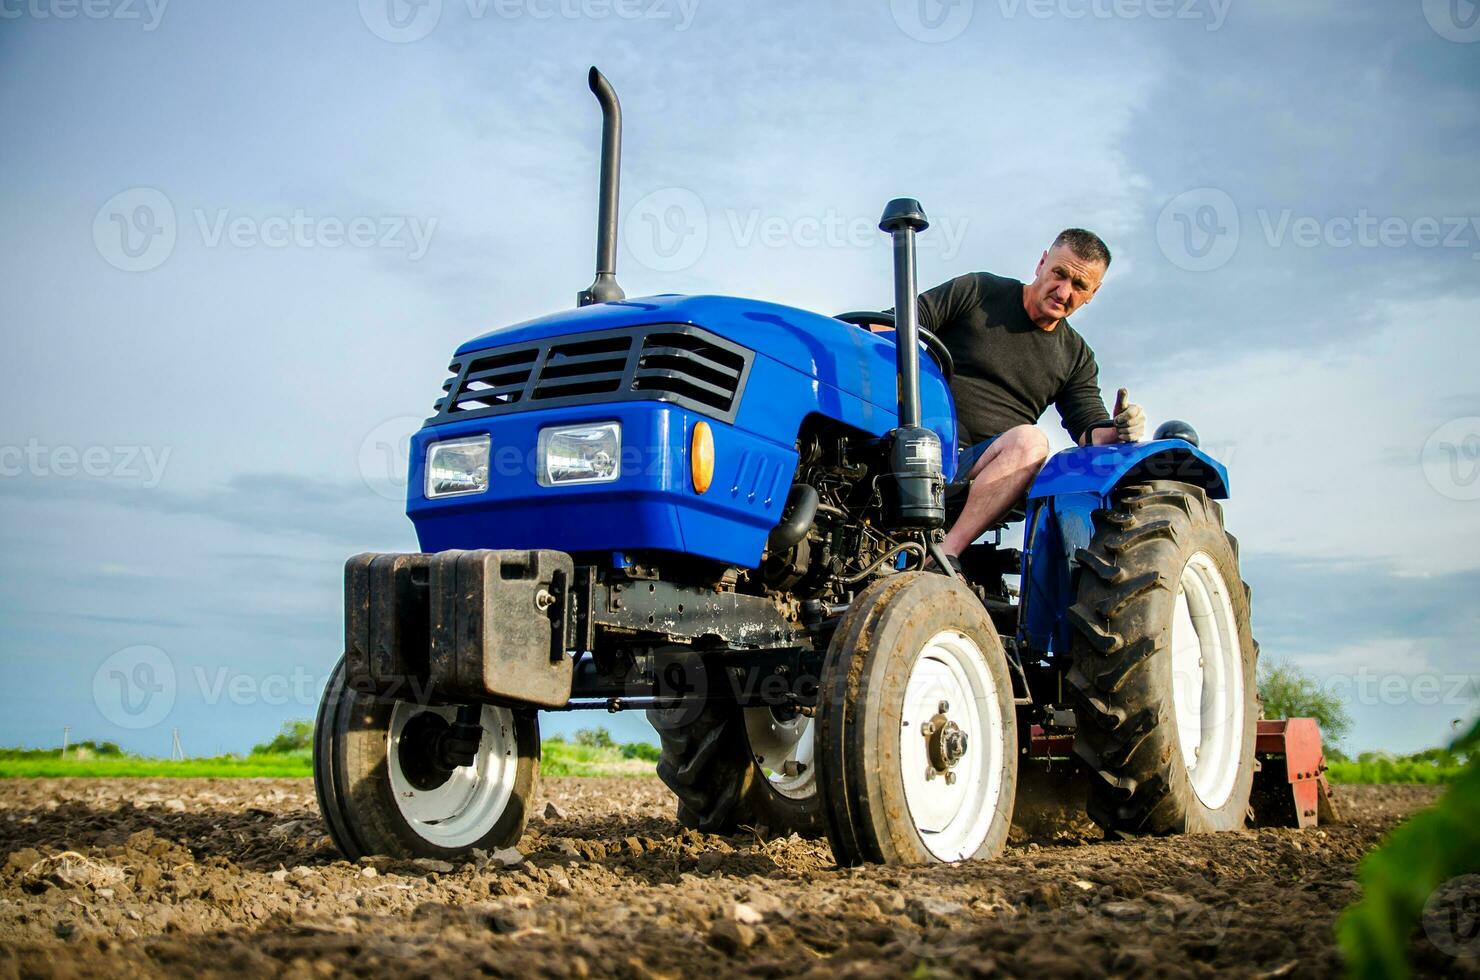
(701, 456)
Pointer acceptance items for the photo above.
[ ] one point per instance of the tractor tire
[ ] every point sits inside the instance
(1163, 666)
(378, 795)
(709, 762)
(916, 727)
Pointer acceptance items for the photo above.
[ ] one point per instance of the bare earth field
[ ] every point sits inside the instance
(122, 877)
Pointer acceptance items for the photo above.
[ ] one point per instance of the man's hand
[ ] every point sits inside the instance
(1130, 419)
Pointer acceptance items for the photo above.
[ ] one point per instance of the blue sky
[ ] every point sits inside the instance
(241, 241)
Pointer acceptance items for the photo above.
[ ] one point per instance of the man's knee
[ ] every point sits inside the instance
(1027, 443)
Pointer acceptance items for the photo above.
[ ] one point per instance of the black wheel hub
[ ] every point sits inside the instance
(432, 748)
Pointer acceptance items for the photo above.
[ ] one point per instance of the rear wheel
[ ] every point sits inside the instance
(732, 768)
(1163, 675)
(385, 784)
(916, 728)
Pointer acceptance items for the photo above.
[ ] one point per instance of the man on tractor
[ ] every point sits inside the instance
(1016, 354)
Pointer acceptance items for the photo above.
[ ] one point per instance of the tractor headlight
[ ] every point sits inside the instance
(580, 454)
(457, 466)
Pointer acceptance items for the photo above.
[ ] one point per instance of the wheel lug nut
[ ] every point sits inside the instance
(944, 706)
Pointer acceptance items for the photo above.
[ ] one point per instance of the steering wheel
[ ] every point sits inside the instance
(938, 350)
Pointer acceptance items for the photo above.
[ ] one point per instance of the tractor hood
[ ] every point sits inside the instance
(833, 352)
(657, 367)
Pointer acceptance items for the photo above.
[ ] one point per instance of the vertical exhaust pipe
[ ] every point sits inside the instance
(903, 217)
(914, 488)
(604, 288)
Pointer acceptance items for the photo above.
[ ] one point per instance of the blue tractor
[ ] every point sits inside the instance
(727, 513)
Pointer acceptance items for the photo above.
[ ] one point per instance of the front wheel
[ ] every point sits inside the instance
(734, 768)
(916, 727)
(386, 785)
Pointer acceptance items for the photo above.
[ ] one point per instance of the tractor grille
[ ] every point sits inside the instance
(671, 362)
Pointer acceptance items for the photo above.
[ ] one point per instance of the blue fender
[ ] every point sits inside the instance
(1060, 520)
(1100, 469)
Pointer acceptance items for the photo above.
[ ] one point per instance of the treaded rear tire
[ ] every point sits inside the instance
(707, 763)
(1121, 679)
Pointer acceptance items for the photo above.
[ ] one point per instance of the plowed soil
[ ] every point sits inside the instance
(236, 878)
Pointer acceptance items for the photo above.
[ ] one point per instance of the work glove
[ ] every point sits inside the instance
(1130, 419)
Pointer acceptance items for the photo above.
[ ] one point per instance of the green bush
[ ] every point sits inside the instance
(1422, 854)
(595, 738)
(1289, 692)
(641, 750)
(295, 736)
(86, 749)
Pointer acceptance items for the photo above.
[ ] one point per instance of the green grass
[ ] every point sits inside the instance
(594, 754)
(218, 767)
(1430, 767)
(1404, 769)
(561, 758)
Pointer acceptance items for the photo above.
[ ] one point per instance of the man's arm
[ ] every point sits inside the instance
(1080, 404)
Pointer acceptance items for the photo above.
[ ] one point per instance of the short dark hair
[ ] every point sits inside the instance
(1085, 244)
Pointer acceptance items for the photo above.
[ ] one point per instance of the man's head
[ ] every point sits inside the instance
(1068, 275)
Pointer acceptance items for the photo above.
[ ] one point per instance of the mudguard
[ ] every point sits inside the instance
(1071, 486)
(1100, 469)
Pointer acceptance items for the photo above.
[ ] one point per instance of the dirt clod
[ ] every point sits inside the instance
(730, 937)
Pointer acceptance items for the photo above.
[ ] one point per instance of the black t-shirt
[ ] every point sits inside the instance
(1009, 370)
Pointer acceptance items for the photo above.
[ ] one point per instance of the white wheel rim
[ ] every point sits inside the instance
(464, 808)
(953, 818)
(784, 747)
(1207, 681)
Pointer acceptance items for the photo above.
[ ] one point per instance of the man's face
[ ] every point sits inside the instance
(1064, 282)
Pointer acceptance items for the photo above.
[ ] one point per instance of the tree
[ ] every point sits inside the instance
(1289, 692)
(596, 738)
(295, 736)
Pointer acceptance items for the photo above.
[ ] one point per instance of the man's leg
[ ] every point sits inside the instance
(998, 479)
